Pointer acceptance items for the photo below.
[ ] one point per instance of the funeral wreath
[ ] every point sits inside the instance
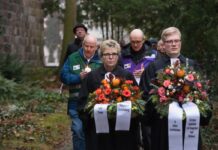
(180, 84)
(114, 91)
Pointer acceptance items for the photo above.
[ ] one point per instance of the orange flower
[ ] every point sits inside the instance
(125, 87)
(98, 91)
(101, 97)
(126, 93)
(186, 88)
(106, 100)
(107, 86)
(135, 88)
(104, 81)
(116, 91)
(119, 99)
(129, 82)
(107, 91)
(180, 73)
(115, 82)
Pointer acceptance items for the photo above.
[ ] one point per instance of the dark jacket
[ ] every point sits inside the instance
(159, 127)
(70, 74)
(114, 140)
(137, 57)
(73, 47)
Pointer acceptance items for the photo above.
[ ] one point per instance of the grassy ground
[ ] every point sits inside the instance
(38, 131)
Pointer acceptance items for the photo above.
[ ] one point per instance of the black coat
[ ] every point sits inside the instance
(115, 140)
(73, 47)
(159, 127)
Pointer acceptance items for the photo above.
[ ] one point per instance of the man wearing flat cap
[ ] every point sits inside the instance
(80, 32)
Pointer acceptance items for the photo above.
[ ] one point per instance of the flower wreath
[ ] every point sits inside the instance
(181, 84)
(113, 91)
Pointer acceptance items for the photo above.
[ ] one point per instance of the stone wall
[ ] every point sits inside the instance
(22, 29)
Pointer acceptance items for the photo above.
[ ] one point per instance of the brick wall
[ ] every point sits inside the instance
(22, 29)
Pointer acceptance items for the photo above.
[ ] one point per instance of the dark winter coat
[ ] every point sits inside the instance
(114, 140)
(159, 127)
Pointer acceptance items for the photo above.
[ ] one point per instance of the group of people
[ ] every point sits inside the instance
(84, 69)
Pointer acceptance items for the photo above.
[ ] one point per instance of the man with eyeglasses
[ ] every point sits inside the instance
(171, 38)
(138, 55)
(75, 69)
(135, 59)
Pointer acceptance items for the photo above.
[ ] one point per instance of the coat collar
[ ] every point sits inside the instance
(115, 71)
(166, 58)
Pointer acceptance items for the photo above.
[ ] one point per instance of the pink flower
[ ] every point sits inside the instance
(167, 71)
(163, 99)
(190, 77)
(166, 83)
(204, 94)
(161, 91)
(198, 85)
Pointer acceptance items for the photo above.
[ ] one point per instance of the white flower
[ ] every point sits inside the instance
(178, 84)
(167, 93)
(170, 87)
(186, 99)
(181, 80)
(172, 72)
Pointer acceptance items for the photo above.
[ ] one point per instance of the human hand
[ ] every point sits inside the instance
(138, 73)
(83, 74)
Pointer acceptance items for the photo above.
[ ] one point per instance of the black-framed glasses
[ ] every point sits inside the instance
(172, 41)
(110, 54)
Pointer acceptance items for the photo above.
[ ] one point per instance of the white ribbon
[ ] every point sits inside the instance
(101, 119)
(192, 126)
(175, 126)
(173, 61)
(123, 116)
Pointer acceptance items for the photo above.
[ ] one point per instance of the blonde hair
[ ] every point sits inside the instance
(109, 44)
(169, 31)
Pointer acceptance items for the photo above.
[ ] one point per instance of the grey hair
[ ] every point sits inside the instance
(109, 44)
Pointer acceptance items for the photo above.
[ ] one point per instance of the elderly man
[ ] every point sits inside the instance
(138, 55)
(171, 38)
(74, 70)
(80, 31)
(135, 59)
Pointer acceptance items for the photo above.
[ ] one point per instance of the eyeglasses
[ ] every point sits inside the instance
(136, 42)
(110, 54)
(172, 41)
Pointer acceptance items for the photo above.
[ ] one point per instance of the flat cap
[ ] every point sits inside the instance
(79, 26)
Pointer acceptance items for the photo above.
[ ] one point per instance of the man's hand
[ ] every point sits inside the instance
(137, 73)
(83, 74)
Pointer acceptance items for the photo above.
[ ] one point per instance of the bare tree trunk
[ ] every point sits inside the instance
(121, 33)
(112, 28)
(107, 28)
(118, 33)
(69, 22)
(102, 29)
